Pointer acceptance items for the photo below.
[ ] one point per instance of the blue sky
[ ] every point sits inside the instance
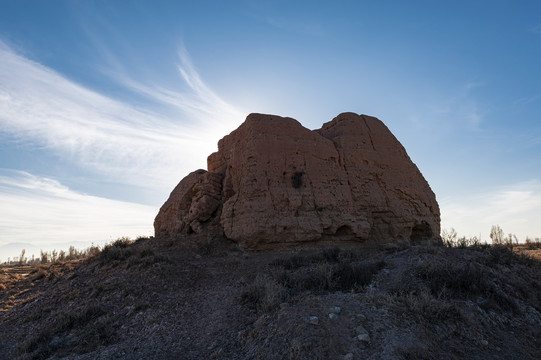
(106, 105)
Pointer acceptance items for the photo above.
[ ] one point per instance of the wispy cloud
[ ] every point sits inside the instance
(121, 142)
(468, 107)
(536, 29)
(42, 108)
(527, 100)
(515, 208)
(42, 211)
(296, 26)
(200, 105)
(474, 114)
(459, 110)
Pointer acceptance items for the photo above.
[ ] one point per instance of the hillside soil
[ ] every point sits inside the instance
(204, 298)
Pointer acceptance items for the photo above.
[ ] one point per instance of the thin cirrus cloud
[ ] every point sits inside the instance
(465, 106)
(296, 27)
(118, 141)
(527, 100)
(201, 104)
(459, 111)
(515, 208)
(41, 211)
(42, 108)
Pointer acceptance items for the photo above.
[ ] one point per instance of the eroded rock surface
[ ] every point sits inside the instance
(274, 183)
(193, 202)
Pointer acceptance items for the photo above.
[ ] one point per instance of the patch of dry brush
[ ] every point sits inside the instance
(206, 298)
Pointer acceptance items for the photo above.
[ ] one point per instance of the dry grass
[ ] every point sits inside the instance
(264, 294)
(324, 271)
(60, 338)
(173, 299)
(120, 252)
(532, 252)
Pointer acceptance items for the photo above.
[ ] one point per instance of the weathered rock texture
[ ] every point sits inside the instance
(273, 182)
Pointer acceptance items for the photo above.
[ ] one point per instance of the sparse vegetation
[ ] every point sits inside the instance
(461, 280)
(264, 294)
(116, 252)
(60, 337)
(496, 234)
(173, 299)
(328, 270)
(54, 256)
(533, 243)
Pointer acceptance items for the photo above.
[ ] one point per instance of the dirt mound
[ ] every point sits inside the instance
(205, 298)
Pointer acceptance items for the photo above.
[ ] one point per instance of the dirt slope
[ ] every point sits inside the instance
(206, 299)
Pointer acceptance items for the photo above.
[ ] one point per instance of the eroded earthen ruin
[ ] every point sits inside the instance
(274, 183)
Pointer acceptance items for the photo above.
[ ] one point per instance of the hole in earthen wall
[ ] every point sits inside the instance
(343, 231)
(296, 179)
(420, 233)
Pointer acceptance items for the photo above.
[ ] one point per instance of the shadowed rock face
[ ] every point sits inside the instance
(274, 183)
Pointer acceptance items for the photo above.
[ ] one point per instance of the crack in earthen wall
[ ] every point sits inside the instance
(342, 164)
(369, 132)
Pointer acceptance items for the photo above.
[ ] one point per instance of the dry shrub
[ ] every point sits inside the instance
(417, 352)
(533, 244)
(145, 256)
(316, 277)
(503, 255)
(327, 255)
(325, 271)
(264, 294)
(347, 276)
(62, 336)
(39, 273)
(331, 254)
(92, 251)
(331, 277)
(37, 314)
(206, 247)
(146, 251)
(301, 349)
(116, 252)
(465, 280)
(424, 306)
(293, 262)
